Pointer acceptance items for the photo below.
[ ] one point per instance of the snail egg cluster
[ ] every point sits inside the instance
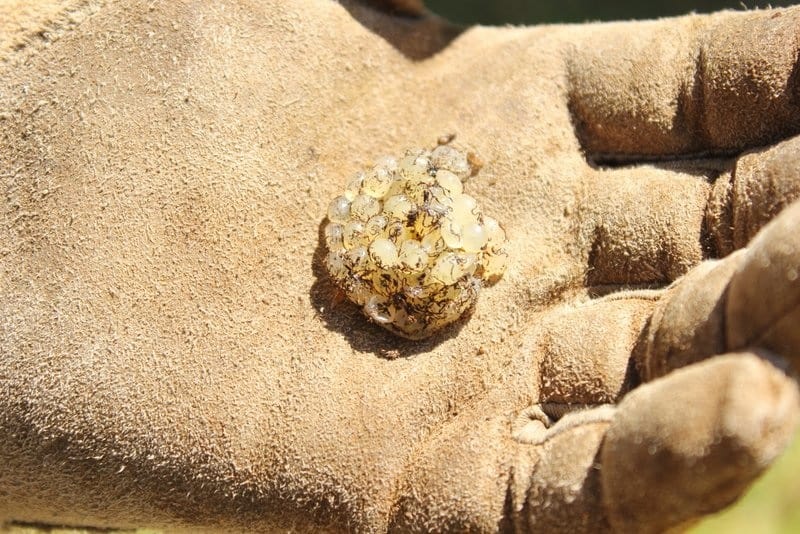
(409, 246)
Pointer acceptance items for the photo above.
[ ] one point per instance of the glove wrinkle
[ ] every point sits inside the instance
(765, 182)
(566, 493)
(718, 222)
(534, 426)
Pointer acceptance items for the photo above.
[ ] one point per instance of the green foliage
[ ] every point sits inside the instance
(534, 12)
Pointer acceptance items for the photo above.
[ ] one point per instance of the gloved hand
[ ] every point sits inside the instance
(173, 355)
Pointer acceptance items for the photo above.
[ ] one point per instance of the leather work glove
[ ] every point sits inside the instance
(172, 354)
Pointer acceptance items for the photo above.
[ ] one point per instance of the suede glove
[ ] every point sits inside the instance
(172, 354)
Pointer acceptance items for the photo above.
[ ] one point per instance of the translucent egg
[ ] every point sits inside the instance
(445, 269)
(364, 206)
(357, 258)
(418, 186)
(412, 255)
(452, 234)
(375, 308)
(351, 233)
(473, 237)
(449, 182)
(353, 188)
(339, 210)
(398, 187)
(333, 236)
(399, 231)
(408, 168)
(447, 157)
(387, 162)
(398, 207)
(494, 232)
(465, 209)
(467, 263)
(433, 243)
(377, 183)
(415, 191)
(335, 263)
(439, 199)
(375, 226)
(384, 252)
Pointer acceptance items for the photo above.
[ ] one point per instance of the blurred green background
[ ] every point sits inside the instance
(773, 503)
(533, 12)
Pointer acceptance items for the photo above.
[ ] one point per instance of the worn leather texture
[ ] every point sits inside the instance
(173, 354)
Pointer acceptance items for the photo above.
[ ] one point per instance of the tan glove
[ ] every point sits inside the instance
(171, 354)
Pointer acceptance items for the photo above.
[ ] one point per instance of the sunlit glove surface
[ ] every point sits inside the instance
(172, 351)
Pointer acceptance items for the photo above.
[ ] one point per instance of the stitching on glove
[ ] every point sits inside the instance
(536, 424)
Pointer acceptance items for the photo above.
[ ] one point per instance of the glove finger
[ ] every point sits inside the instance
(763, 299)
(652, 224)
(690, 443)
(697, 84)
(750, 298)
(674, 450)
(640, 225)
(474, 477)
(582, 354)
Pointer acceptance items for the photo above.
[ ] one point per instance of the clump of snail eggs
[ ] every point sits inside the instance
(409, 246)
